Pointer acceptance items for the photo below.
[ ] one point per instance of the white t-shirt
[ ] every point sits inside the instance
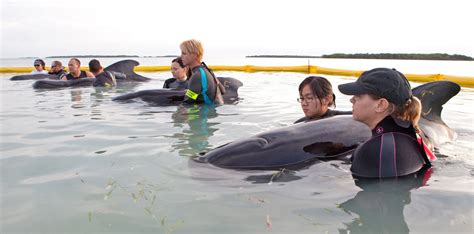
(39, 72)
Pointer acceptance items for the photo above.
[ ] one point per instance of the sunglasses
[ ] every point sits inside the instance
(37, 65)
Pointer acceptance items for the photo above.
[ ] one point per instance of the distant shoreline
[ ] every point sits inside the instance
(282, 56)
(434, 56)
(111, 56)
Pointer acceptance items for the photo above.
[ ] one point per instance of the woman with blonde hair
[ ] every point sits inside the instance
(203, 86)
(384, 102)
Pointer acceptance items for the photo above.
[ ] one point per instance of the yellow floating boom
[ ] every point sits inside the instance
(465, 81)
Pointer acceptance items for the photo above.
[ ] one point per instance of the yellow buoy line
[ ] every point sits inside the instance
(464, 81)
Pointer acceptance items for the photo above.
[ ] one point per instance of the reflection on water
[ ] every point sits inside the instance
(270, 177)
(194, 139)
(381, 203)
(76, 98)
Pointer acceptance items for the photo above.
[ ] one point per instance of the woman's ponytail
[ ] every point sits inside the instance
(410, 111)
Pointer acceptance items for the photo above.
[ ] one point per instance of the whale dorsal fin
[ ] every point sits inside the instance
(433, 96)
(126, 67)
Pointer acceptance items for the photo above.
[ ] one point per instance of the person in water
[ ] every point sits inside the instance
(74, 66)
(316, 97)
(203, 86)
(102, 78)
(39, 67)
(179, 71)
(383, 101)
(57, 69)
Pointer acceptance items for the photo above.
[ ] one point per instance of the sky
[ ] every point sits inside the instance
(31, 28)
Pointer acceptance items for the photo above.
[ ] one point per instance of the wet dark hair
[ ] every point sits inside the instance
(320, 88)
(94, 65)
(178, 60)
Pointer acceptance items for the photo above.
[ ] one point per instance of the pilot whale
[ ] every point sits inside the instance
(34, 77)
(299, 145)
(173, 96)
(123, 71)
(433, 96)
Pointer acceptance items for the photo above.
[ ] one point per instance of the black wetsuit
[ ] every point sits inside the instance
(328, 113)
(60, 73)
(106, 79)
(194, 95)
(173, 83)
(82, 75)
(392, 151)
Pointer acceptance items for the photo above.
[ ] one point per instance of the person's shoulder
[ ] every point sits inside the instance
(89, 74)
(39, 72)
(102, 74)
(170, 80)
(167, 83)
(300, 120)
(338, 112)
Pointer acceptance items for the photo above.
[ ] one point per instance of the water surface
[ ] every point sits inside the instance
(73, 161)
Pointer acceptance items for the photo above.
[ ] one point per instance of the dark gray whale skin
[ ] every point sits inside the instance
(34, 77)
(123, 71)
(433, 96)
(299, 145)
(291, 146)
(174, 97)
(53, 84)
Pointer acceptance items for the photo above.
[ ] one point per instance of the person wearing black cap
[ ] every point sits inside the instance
(383, 101)
(39, 67)
(102, 78)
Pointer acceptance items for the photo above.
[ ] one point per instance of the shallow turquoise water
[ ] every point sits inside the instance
(73, 161)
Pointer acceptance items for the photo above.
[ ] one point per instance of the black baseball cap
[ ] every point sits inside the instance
(39, 62)
(382, 82)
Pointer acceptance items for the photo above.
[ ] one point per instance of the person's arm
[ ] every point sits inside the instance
(90, 75)
(194, 88)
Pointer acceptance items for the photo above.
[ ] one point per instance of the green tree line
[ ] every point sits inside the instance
(434, 56)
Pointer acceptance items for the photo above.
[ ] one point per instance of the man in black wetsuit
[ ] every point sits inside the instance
(57, 69)
(75, 72)
(202, 86)
(102, 78)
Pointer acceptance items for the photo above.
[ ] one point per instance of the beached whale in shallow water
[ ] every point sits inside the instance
(34, 77)
(301, 144)
(123, 71)
(174, 97)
